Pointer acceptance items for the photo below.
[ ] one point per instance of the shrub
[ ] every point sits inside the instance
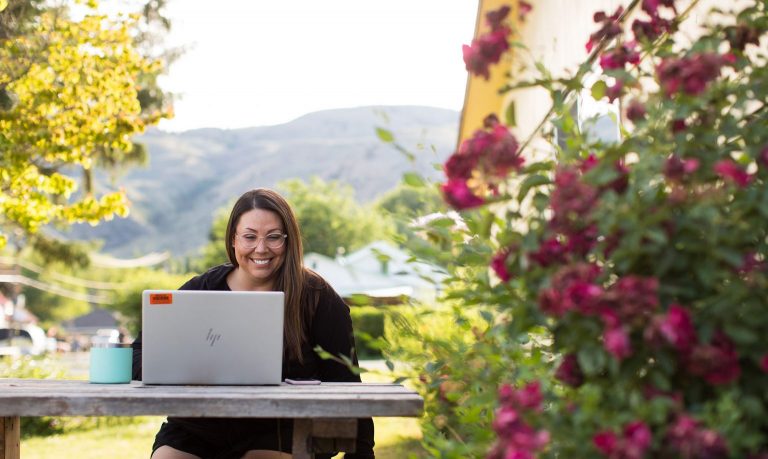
(634, 271)
(370, 323)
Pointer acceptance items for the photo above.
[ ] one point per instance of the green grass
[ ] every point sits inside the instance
(125, 441)
(395, 438)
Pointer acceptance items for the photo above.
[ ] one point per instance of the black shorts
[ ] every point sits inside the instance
(226, 438)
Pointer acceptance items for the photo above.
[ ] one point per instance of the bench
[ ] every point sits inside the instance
(324, 415)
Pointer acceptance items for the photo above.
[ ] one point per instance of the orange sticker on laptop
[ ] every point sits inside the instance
(160, 298)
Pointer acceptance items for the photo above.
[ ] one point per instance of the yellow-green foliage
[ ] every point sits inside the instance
(75, 86)
(30, 367)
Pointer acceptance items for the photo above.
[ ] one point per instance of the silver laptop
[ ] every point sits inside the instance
(212, 337)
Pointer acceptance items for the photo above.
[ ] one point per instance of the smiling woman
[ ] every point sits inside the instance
(258, 258)
(263, 243)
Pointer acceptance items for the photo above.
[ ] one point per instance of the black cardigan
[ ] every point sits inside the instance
(330, 327)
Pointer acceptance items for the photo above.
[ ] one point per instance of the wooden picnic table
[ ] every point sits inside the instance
(324, 416)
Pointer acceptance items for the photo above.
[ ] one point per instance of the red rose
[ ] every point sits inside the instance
(569, 371)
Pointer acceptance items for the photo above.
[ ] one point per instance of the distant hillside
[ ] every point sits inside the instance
(194, 173)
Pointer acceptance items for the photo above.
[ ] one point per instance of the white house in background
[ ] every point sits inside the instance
(378, 270)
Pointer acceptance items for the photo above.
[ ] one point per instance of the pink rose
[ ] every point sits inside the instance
(550, 251)
(650, 30)
(635, 440)
(460, 165)
(690, 75)
(609, 27)
(615, 91)
(620, 56)
(605, 442)
(499, 264)
(516, 438)
(635, 111)
(557, 300)
(485, 50)
(633, 298)
(529, 397)
(679, 169)
(678, 126)
(505, 420)
(502, 155)
(638, 435)
(728, 169)
(581, 242)
(677, 328)
(686, 438)
(572, 200)
(763, 158)
(458, 195)
(616, 342)
(717, 362)
(524, 8)
(495, 18)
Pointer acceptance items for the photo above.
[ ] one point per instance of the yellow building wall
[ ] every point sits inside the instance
(482, 96)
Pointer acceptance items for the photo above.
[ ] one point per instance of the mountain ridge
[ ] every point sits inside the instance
(191, 174)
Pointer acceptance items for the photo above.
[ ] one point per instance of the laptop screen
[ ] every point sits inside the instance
(212, 337)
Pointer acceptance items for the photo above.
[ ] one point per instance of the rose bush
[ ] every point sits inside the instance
(613, 296)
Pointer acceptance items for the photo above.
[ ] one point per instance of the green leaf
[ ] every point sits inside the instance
(599, 89)
(540, 201)
(530, 182)
(660, 380)
(325, 355)
(509, 115)
(487, 316)
(385, 135)
(728, 255)
(591, 360)
(442, 222)
(486, 224)
(740, 334)
(414, 179)
(538, 166)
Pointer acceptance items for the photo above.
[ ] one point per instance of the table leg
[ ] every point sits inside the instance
(302, 431)
(312, 436)
(10, 432)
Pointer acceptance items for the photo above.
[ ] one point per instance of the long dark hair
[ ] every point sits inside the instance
(292, 276)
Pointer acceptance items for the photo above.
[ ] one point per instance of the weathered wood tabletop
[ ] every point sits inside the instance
(324, 415)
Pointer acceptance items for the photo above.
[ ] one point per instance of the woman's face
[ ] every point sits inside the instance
(257, 234)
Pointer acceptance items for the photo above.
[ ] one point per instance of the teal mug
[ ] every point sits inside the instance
(111, 363)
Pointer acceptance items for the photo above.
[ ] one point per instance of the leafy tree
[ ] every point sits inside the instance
(70, 92)
(406, 203)
(127, 300)
(410, 207)
(331, 220)
(152, 25)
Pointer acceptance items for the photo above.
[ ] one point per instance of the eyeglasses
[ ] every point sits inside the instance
(272, 241)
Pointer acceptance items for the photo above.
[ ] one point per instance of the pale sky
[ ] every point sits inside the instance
(263, 62)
